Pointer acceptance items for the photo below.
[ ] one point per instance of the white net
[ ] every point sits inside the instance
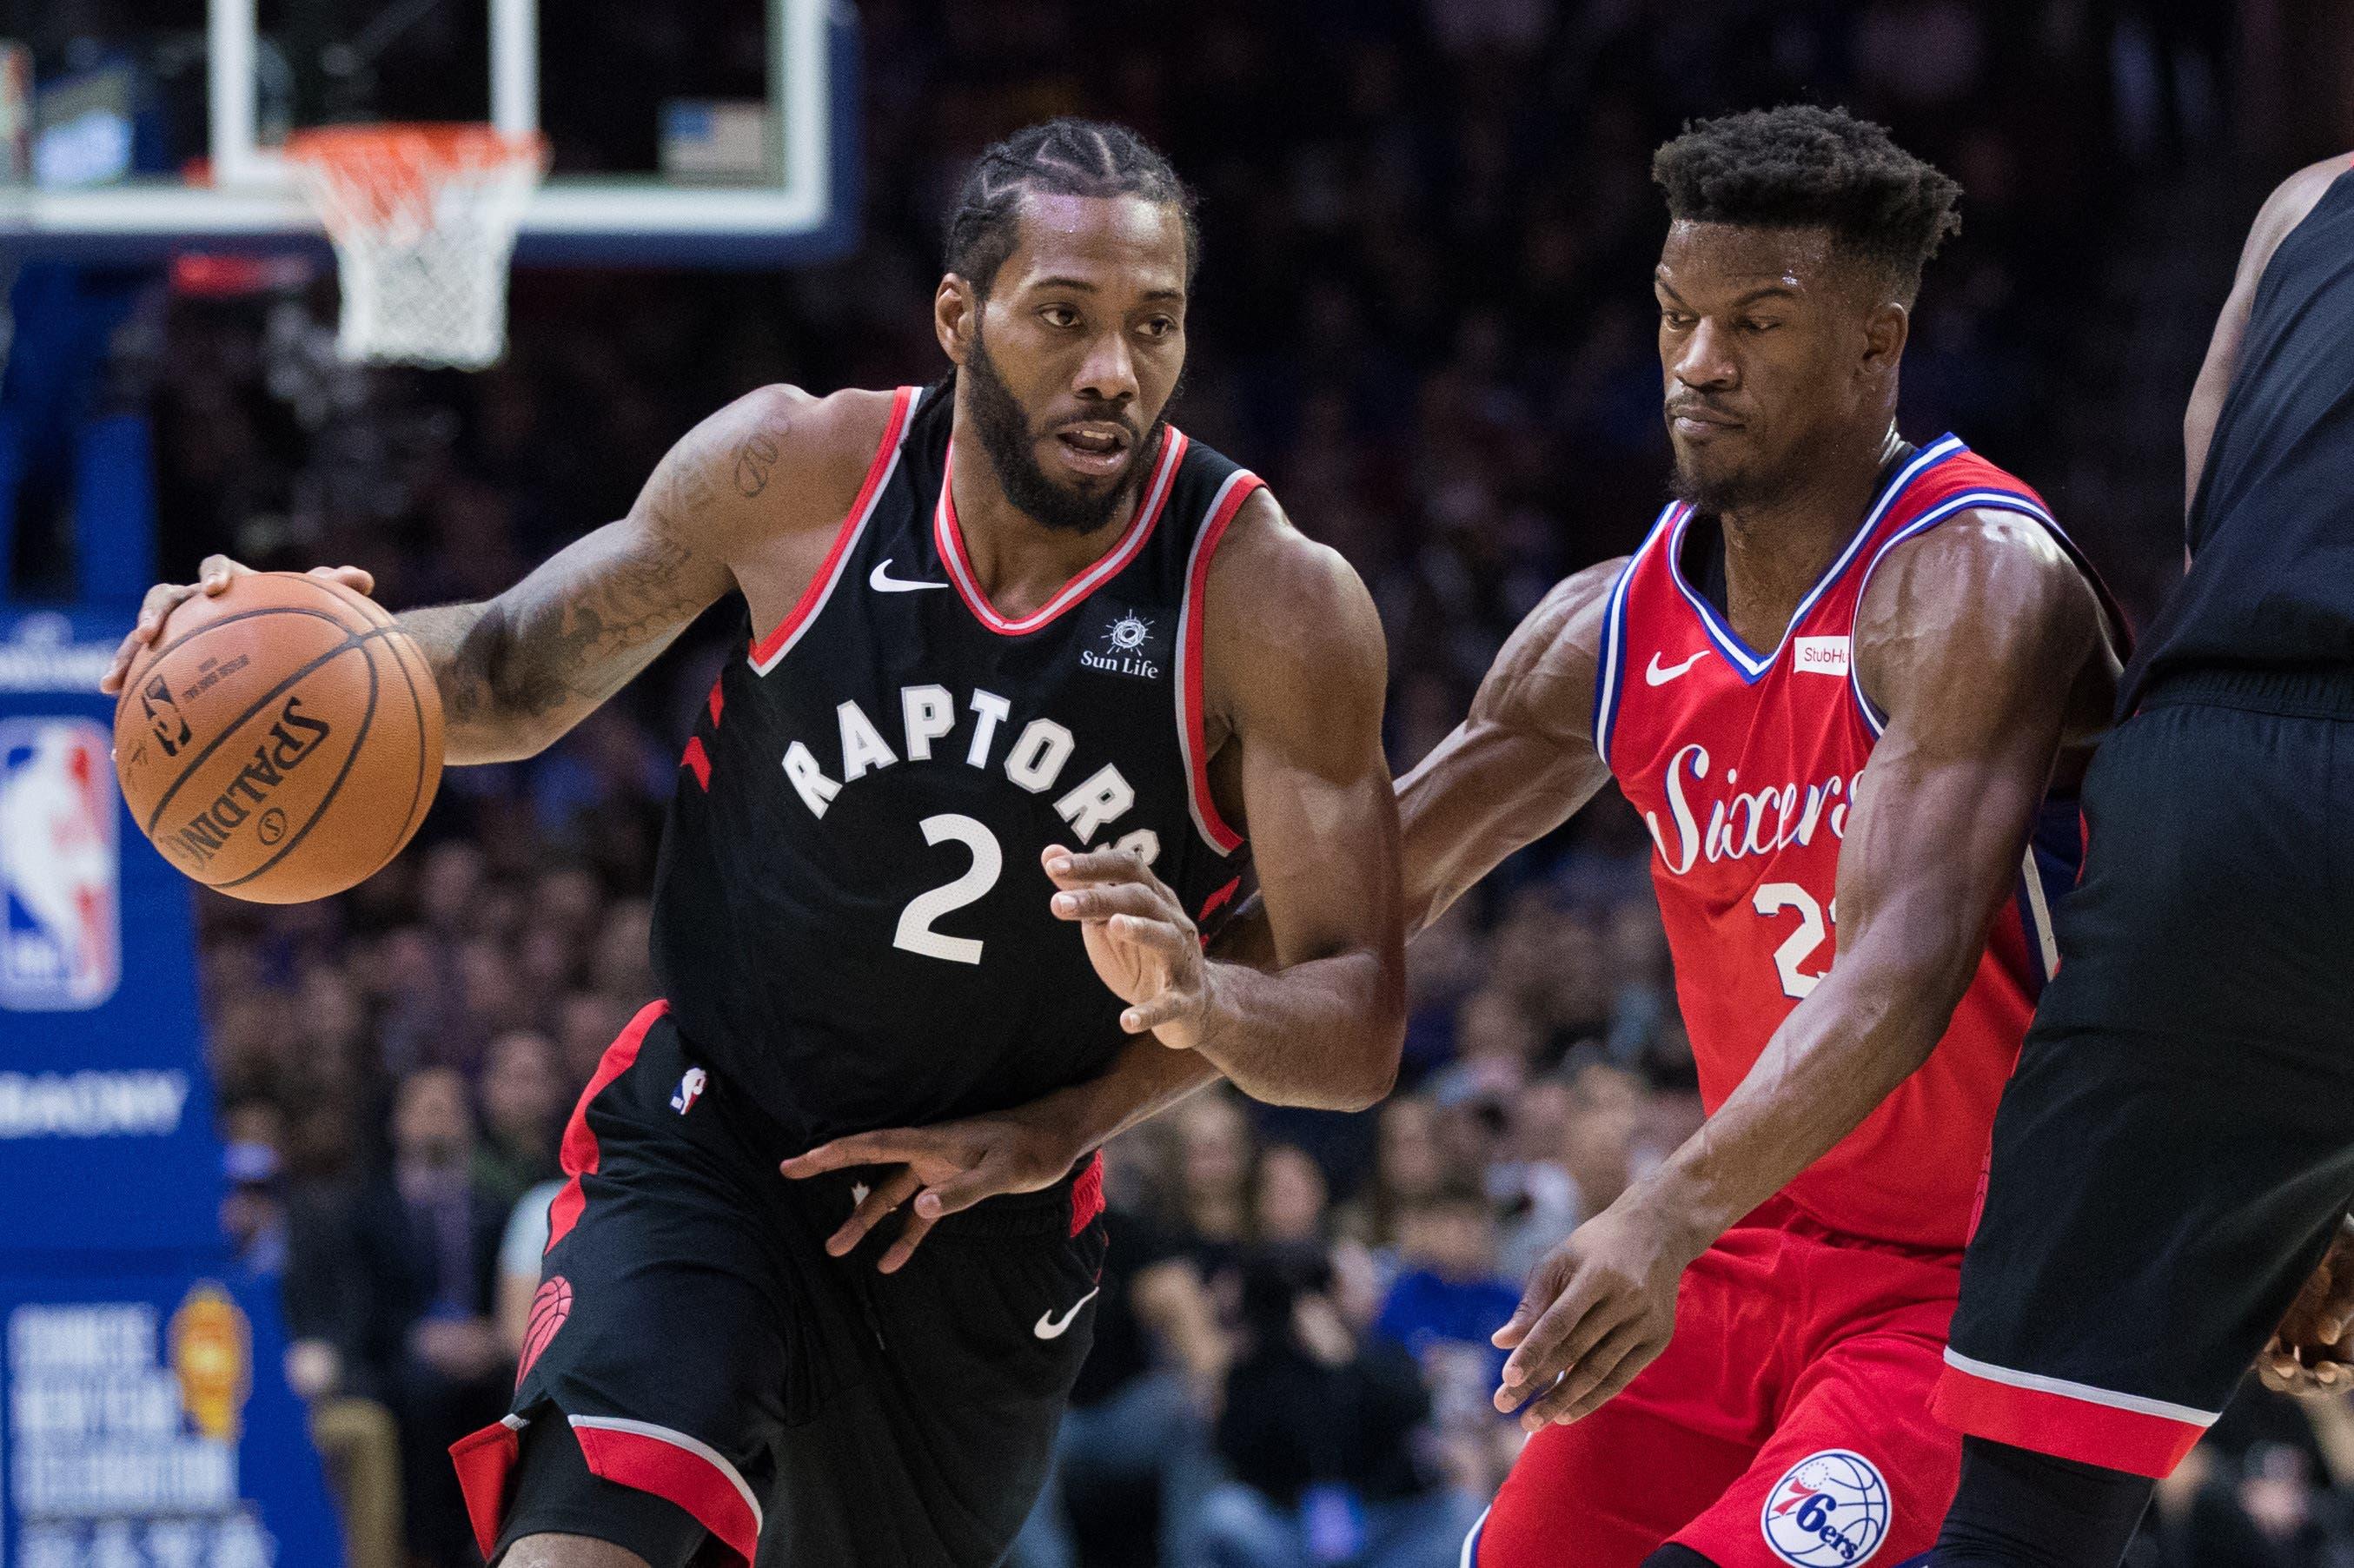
(423, 218)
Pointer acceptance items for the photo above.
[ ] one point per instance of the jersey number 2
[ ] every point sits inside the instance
(916, 933)
(1799, 945)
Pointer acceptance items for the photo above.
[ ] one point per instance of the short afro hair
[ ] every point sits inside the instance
(1067, 156)
(1799, 166)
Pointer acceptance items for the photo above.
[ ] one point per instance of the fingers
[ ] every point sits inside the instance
(1561, 1333)
(903, 1245)
(1608, 1368)
(891, 1146)
(213, 576)
(887, 1195)
(1103, 901)
(962, 1191)
(1169, 1007)
(1075, 868)
(153, 610)
(359, 579)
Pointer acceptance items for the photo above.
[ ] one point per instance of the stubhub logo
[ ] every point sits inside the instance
(1820, 655)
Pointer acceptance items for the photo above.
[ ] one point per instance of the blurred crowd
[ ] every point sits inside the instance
(1424, 317)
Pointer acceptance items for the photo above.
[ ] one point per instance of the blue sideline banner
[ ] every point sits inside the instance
(146, 1421)
(106, 1135)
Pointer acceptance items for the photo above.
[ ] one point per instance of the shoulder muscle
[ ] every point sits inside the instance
(1542, 683)
(1293, 622)
(1987, 600)
(775, 461)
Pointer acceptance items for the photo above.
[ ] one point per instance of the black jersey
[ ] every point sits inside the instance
(2272, 526)
(850, 918)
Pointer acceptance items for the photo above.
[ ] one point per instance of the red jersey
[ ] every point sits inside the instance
(1743, 764)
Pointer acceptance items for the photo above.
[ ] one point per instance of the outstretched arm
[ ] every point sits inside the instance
(1972, 640)
(517, 671)
(2287, 207)
(1519, 765)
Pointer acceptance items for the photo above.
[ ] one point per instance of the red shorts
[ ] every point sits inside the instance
(1785, 1425)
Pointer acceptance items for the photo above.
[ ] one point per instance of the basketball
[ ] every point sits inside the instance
(283, 741)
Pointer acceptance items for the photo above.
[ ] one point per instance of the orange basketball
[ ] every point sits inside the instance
(281, 740)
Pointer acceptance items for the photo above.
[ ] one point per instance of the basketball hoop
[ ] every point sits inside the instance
(423, 218)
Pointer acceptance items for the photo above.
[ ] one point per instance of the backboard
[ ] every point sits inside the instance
(701, 132)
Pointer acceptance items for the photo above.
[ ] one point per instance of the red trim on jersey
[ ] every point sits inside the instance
(948, 536)
(2061, 1426)
(649, 1460)
(1086, 1193)
(717, 702)
(1217, 901)
(579, 1154)
(697, 761)
(1239, 489)
(766, 650)
(486, 1462)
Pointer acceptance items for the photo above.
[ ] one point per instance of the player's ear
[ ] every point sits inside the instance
(956, 316)
(1885, 331)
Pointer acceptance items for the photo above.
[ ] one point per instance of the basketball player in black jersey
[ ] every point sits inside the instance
(2176, 1152)
(1025, 667)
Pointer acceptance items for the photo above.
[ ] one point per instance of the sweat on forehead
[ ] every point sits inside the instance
(1731, 261)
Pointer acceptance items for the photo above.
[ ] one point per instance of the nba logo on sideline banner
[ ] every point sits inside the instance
(1830, 1510)
(60, 947)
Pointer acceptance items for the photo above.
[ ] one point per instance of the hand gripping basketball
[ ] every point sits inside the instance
(277, 735)
(212, 578)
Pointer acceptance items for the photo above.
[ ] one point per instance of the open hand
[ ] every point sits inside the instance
(212, 578)
(935, 1171)
(1139, 938)
(2310, 1353)
(1597, 1310)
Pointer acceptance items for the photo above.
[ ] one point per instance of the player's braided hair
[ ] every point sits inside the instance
(1799, 166)
(1061, 157)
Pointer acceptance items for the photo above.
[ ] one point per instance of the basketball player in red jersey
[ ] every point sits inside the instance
(1848, 682)
(1033, 683)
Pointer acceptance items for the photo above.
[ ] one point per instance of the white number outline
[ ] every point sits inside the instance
(916, 933)
(1772, 899)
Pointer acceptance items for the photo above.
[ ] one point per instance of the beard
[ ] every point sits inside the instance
(1006, 437)
(1713, 494)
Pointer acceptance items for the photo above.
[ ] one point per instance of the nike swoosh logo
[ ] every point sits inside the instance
(1659, 674)
(1050, 1327)
(881, 581)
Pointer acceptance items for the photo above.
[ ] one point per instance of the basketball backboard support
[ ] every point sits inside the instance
(803, 208)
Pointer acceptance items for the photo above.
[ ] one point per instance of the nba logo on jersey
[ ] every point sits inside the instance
(689, 1090)
(1831, 1510)
(60, 949)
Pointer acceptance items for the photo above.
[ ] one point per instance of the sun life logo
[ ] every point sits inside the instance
(1125, 649)
(1830, 1510)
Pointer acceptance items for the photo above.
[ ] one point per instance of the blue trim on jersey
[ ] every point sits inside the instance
(1979, 500)
(1471, 1558)
(1610, 671)
(1746, 663)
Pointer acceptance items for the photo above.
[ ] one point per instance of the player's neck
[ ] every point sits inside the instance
(1774, 553)
(1018, 561)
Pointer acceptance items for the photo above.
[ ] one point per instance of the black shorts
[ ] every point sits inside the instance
(699, 1375)
(2177, 1144)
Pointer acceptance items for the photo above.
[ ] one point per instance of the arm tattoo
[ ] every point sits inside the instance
(538, 657)
(754, 458)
